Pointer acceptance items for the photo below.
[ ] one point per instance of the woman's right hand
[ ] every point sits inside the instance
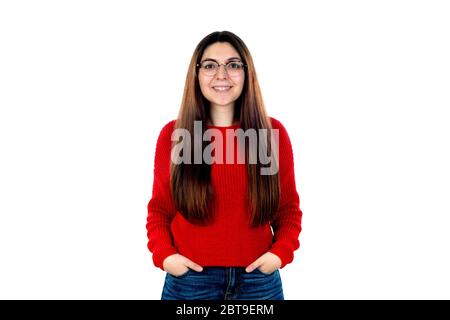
(177, 265)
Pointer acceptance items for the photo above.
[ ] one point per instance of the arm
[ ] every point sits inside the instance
(161, 209)
(287, 222)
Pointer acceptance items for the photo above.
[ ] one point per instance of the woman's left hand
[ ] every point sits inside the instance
(267, 263)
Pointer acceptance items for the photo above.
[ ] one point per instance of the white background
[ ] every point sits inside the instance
(361, 86)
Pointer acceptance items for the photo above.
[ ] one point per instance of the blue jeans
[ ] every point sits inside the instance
(223, 283)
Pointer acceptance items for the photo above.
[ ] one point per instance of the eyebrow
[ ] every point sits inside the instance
(229, 59)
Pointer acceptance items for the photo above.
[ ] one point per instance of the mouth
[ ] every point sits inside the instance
(222, 88)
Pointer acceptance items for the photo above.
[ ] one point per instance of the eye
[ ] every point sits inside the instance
(210, 65)
(234, 65)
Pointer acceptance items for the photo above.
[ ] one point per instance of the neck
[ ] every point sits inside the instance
(222, 115)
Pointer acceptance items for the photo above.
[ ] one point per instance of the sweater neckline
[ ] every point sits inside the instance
(224, 127)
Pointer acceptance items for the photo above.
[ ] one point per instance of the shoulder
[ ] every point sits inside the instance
(167, 130)
(276, 124)
(164, 140)
(168, 127)
(284, 141)
(164, 147)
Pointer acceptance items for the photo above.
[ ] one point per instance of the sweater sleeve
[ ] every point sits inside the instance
(161, 208)
(287, 223)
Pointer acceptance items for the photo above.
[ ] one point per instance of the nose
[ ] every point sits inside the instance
(221, 72)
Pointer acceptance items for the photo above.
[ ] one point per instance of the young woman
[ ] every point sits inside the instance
(221, 229)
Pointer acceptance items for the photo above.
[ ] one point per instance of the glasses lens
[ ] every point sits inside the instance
(234, 67)
(209, 67)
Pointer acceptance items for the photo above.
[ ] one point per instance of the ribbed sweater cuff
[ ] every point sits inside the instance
(161, 254)
(284, 251)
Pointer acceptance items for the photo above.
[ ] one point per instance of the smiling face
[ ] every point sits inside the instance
(221, 89)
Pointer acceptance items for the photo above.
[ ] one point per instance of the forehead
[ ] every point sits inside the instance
(220, 51)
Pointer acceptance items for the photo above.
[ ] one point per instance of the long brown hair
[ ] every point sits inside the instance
(191, 183)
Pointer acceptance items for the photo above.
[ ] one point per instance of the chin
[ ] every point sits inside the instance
(222, 103)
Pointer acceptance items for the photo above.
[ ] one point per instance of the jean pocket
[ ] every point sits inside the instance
(263, 273)
(184, 275)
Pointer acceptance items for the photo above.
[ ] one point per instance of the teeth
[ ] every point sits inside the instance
(222, 88)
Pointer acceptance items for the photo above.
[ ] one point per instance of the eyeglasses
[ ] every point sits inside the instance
(210, 68)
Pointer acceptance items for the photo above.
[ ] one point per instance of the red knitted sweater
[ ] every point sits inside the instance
(229, 241)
